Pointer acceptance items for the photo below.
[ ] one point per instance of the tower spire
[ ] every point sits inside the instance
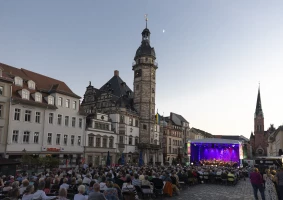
(146, 19)
(258, 109)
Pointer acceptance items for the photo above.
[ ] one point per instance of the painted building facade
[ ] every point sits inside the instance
(44, 118)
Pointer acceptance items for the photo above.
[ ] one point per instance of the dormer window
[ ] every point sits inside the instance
(31, 85)
(25, 94)
(51, 100)
(38, 97)
(18, 81)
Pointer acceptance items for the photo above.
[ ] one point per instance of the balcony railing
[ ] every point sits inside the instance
(144, 61)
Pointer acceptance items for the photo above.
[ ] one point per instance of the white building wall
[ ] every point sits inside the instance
(44, 127)
(62, 129)
(21, 126)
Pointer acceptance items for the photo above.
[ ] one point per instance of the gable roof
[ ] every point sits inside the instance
(206, 134)
(43, 83)
(177, 119)
(117, 85)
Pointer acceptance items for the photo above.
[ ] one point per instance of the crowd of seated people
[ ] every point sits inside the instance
(113, 183)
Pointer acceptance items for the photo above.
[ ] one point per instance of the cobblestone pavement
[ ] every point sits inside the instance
(242, 191)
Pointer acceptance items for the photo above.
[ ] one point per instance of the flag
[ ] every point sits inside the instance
(140, 159)
(108, 159)
(157, 118)
(122, 159)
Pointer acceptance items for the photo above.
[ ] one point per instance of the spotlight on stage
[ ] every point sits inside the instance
(192, 163)
(233, 145)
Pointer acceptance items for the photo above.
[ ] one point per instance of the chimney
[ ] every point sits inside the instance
(116, 73)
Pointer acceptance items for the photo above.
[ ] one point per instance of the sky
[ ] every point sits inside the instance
(211, 56)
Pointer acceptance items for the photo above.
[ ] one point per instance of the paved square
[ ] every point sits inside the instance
(242, 191)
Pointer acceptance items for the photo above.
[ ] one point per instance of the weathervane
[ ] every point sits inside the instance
(146, 19)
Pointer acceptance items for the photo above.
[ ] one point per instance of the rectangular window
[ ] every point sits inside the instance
(58, 139)
(51, 118)
(121, 139)
(130, 121)
(51, 100)
(130, 140)
(73, 121)
(136, 123)
(60, 100)
(38, 97)
(74, 105)
(90, 141)
(1, 90)
(15, 136)
(104, 142)
(25, 94)
(67, 103)
(144, 126)
(17, 114)
(98, 142)
(66, 120)
(27, 116)
(65, 139)
(37, 117)
(59, 122)
(79, 140)
(36, 137)
(136, 141)
(26, 137)
(72, 139)
(1, 110)
(110, 142)
(80, 122)
(49, 138)
(122, 119)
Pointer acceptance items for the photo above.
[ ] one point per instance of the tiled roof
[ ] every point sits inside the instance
(117, 86)
(177, 119)
(43, 84)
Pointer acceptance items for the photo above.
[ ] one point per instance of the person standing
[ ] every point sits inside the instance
(257, 183)
(279, 181)
(271, 193)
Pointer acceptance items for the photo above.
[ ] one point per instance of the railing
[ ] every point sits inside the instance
(144, 61)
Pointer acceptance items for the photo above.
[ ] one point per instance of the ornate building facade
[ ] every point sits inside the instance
(132, 114)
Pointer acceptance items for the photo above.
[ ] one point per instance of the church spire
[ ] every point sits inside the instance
(258, 109)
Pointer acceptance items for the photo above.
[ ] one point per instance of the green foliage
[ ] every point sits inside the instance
(35, 162)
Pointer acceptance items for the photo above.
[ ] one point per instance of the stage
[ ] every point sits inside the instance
(214, 151)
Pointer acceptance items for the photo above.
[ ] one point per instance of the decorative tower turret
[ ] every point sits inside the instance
(144, 67)
(260, 138)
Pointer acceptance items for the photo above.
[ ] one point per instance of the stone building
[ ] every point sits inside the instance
(259, 139)
(100, 138)
(175, 137)
(44, 118)
(275, 142)
(132, 113)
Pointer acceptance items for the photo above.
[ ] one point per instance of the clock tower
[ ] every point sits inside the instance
(144, 67)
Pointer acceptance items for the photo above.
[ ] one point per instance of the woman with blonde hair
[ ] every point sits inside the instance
(270, 189)
(62, 194)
